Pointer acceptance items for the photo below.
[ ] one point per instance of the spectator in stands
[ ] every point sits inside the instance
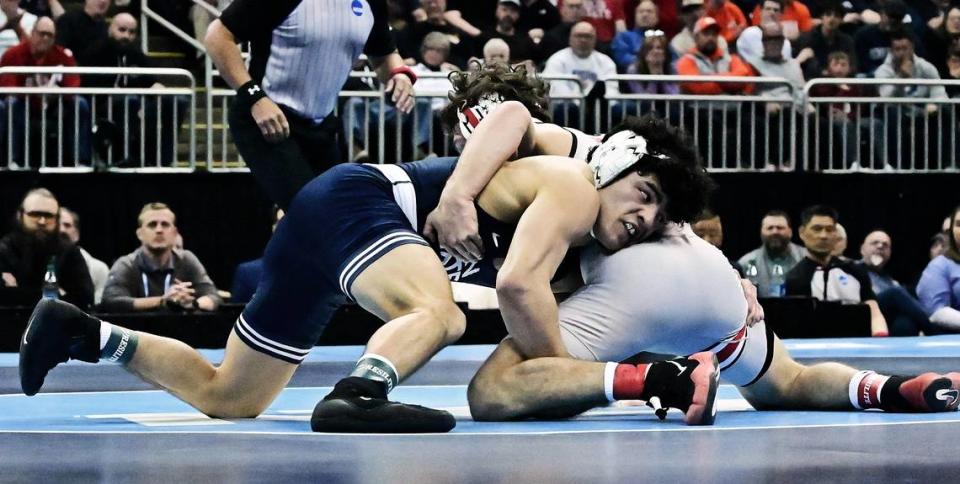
(247, 275)
(750, 44)
(938, 245)
(709, 227)
(34, 243)
(934, 12)
(521, 45)
(436, 48)
(40, 51)
(70, 230)
(940, 39)
(537, 15)
(434, 51)
(840, 246)
(939, 286)
(728, 17)
(776, 250)
(157, 276)
(952, 72)
(77, 29)
(15, 24)
(582, 60)
(775, 126)
(847, 119)
(557, 38)
(716, 119)
(627, 44)
(904, 314)
(706, 59)
(654, 58)
(410, 38)
(813, 47)
(472, 16)
(608, 19)
(904, 63)
(873, 41)
(496, 51)
(43, 8)
(822, 276)
(795, 18)
(121, 49)
(772, 63)
(690, 12)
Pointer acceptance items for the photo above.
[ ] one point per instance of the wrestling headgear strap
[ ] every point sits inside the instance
(470, 116)
(616, 154)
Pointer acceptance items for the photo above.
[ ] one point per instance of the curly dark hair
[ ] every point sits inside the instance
(511, 82)
(686, 184)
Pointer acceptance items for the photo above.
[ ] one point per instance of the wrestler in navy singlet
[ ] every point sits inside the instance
(339, 224)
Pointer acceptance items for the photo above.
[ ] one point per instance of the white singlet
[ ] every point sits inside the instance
(676, 296)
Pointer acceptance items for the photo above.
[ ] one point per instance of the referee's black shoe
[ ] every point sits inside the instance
(56, 331)
(356, 406)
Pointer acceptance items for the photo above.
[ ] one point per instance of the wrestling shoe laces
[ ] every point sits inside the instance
(359, 405)
(56, 332)
(688, 384)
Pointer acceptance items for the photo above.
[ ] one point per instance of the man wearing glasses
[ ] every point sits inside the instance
(34, 243)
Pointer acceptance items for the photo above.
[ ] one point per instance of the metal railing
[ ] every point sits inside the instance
(757, 132)
(745, 132)
(53, 128)
(880, 134)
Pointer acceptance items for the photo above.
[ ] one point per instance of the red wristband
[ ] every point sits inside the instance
(405, 70)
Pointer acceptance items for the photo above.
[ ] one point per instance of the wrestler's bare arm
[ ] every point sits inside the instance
(507, 133)
(555, 204)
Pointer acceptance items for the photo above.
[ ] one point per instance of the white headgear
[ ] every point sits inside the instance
(619, 152)
(470, 116)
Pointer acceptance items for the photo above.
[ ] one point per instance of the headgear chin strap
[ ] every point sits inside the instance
(616, 154)
(470, 116)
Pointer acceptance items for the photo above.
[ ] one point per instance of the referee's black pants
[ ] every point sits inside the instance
(283, 168)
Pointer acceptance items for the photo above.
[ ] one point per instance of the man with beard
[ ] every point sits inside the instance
(34, 243)
(156, 275)
(777, 249)
(120, 49)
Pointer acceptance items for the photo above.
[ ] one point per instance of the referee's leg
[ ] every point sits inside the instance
(281, 169)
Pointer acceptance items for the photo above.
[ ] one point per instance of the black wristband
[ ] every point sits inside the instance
(250, 93)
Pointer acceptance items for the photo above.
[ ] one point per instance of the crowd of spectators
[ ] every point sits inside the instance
(585, 39)
(160, 275)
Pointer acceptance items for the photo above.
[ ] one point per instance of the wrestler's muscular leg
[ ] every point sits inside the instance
(790, 385)
(244, 385)
(508, 387)
(408, 288)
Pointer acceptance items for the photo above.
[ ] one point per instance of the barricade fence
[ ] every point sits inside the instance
(85, 128)
(777, 127)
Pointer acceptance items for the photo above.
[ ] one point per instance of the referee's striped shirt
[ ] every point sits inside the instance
(302, 50)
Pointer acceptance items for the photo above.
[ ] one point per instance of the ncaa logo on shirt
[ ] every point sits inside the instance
(844, 279)
(357, 7)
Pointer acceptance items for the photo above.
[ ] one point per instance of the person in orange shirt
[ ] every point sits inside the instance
(706, 59)
(729, 17)
(796, 18)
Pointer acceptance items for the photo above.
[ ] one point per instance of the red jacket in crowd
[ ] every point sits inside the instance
(20, 56)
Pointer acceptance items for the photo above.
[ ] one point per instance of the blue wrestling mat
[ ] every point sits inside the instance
(148, 435)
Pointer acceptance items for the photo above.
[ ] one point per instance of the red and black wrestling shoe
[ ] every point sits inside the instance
(689, 384)
(929, 392)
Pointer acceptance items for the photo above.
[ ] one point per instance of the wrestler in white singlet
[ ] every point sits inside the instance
(676, 296)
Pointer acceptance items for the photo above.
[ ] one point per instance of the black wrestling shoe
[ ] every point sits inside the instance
(352, 408)
(56, 332)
